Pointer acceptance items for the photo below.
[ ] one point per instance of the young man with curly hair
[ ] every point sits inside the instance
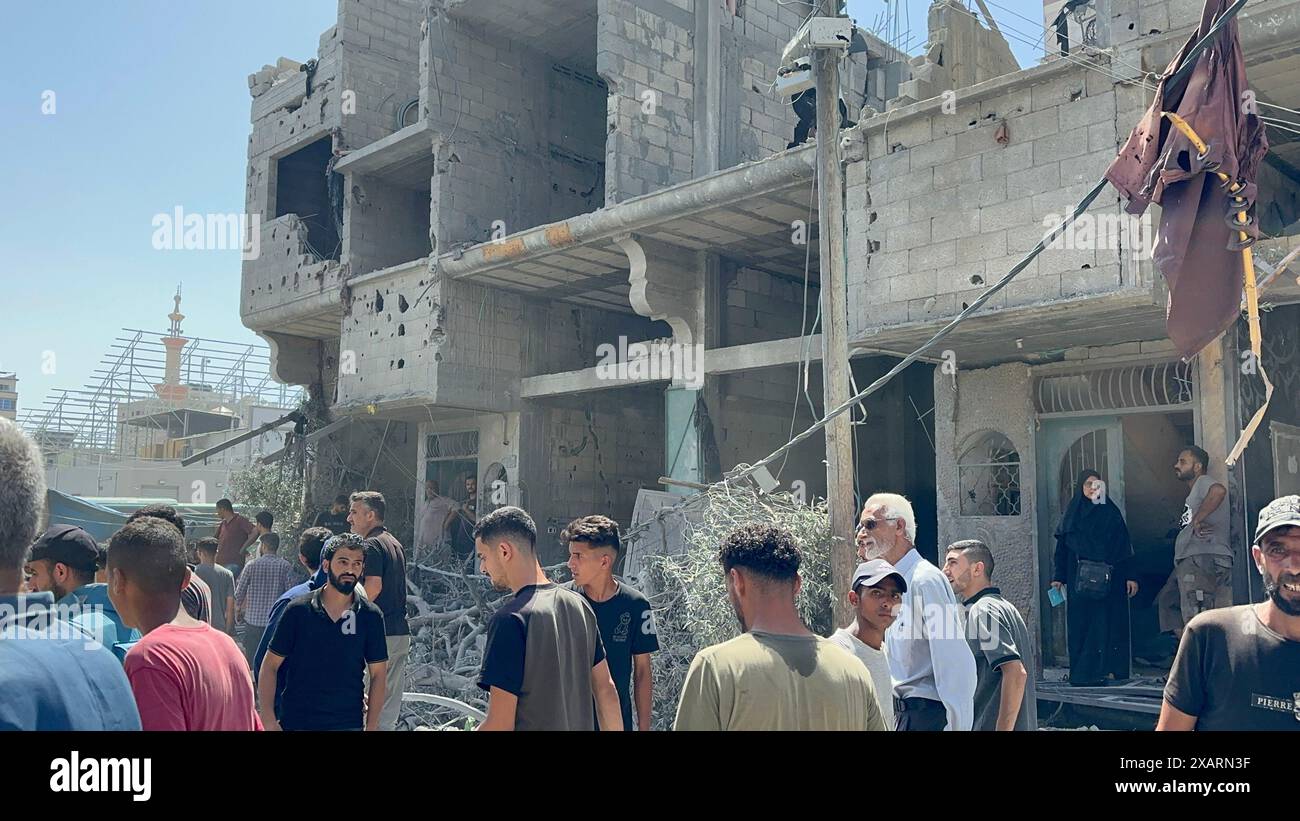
(792, 679)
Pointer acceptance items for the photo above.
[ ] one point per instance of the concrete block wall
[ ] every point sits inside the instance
(940, 209)
(380, 40)
(996, 399)
(372, 52)
(653, 47)
(481, 357)
(645, 54)
(561, 336)
(590, 456)
(759, 32)
(284, 121)
(959, 53)
(389, 335)
(761, 307)
(384, 224)
(521, 135)
(1162, 16)
(285, 269)
(446, 343)
(752, 419)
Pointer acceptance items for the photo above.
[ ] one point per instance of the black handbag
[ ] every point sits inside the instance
(1092, 579)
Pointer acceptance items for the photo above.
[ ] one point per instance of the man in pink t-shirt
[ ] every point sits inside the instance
(185, 674)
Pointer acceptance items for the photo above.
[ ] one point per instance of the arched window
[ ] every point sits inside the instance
(989, 474)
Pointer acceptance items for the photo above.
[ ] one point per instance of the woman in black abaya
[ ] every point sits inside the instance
(1097, 629)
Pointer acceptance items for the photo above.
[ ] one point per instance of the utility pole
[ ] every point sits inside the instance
(835, 341)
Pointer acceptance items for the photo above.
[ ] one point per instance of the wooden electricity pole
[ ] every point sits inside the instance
(835, 342)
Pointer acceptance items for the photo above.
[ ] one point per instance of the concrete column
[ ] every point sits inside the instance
(1215, 436)
(1218, 429)
(708, 87)
(674, 285)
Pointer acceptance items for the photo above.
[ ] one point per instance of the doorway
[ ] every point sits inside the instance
(1134, 453)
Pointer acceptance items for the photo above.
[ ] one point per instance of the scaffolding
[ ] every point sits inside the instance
(122, 410)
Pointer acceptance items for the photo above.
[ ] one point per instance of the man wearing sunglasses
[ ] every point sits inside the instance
(930, 662)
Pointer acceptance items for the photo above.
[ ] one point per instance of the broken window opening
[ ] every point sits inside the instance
(305, 185)
(394, 206)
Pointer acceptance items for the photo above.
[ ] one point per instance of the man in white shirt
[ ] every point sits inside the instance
(875, 595)
(929, 660)
(438, 511)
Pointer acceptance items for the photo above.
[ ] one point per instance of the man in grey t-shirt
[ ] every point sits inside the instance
(222, 583)
(1005, 696)
(1202, 577)
(544, 662)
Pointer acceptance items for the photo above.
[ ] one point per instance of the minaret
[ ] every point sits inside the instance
(172, 389)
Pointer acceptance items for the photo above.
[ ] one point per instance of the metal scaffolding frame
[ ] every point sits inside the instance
(89, 418)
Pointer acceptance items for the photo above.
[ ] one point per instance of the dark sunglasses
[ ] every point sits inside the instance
(871, 524)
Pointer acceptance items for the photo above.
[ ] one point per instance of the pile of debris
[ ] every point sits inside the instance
(452, 605)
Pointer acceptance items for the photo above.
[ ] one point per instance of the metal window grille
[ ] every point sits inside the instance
(463, 445)
(1163, 385)
(989, 475)
(1087, 453)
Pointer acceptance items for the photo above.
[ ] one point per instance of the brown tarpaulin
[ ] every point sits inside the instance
(1158, 164)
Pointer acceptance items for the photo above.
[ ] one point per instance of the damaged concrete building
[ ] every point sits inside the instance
(1069, 366)
(465, 201)
(523, 183)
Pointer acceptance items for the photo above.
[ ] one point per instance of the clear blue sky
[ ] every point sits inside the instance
(151, 112)
(1020, 21)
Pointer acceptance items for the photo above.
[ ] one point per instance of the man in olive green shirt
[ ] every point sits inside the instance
(793, 679)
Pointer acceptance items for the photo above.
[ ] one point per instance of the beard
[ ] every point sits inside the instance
(875, 550)
(492, 578)
(1273, 587)
(740, 617)
(344, 586)
(962, 584)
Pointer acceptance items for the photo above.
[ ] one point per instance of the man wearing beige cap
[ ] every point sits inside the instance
(1238, 668)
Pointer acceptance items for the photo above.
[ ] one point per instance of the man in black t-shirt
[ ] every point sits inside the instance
(329, 637)
(626, 621)
(544, 662)
(385, 581)
(1238, 668)
(461, 526)
(336, 518)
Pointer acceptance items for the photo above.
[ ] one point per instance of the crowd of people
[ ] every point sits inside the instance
(153, 645)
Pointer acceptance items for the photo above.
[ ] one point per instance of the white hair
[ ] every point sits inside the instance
(896, 506)
(22, 493)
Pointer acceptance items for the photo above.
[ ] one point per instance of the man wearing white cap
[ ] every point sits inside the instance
(1238, 668)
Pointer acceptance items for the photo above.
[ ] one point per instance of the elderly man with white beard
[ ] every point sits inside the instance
(930, 661)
